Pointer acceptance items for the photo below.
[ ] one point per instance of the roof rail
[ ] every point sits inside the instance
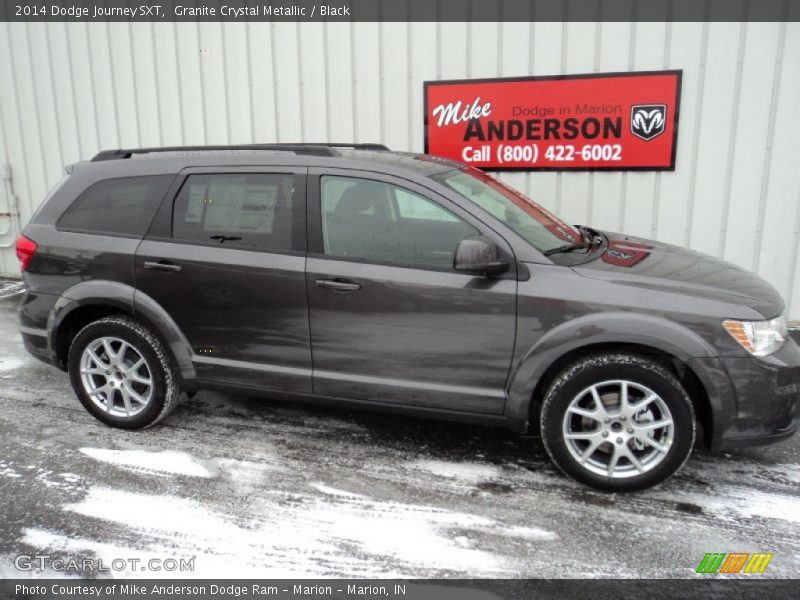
(314, 149)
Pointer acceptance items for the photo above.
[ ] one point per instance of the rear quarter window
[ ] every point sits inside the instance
(123, 206)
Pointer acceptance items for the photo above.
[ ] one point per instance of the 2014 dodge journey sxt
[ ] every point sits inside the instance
(353, 275)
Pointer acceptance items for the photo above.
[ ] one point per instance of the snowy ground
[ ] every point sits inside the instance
(258, 488)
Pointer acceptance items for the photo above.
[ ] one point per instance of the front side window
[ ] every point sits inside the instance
(123, 206)
(240, 210)
(527, 219)
(381, 222)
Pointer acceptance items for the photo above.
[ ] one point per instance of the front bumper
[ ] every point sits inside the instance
(754, 401)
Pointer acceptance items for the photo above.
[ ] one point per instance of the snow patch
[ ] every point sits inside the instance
(10, 363)
(730, 502)
(8, 470)
(331, 491)
(304, 535)
(168, 462)
(470, 471)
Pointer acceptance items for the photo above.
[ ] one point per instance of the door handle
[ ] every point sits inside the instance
(338, 285)
(162, 266)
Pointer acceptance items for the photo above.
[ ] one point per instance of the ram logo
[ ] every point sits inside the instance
(648, 120)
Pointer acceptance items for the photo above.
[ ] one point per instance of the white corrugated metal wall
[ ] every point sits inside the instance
(69, 90)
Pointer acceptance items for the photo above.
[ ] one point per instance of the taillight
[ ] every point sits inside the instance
(26, 248)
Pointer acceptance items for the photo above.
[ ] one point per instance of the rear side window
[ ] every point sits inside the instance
(122, 206)
(238, 210)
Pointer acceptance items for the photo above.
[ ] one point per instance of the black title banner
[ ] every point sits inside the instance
(399, 10)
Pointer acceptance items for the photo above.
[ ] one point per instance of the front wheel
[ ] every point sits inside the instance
(617, 422)
(121, 373)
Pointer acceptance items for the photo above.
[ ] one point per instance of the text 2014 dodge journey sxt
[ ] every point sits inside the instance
(354, 275)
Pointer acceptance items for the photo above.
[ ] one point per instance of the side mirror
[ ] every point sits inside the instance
(478, 254)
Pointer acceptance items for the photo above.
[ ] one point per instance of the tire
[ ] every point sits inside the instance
(119, 356)
(656, 426)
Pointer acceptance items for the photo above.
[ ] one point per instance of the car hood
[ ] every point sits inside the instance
(649, 264)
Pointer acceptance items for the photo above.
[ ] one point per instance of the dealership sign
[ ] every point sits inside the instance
(616, 121)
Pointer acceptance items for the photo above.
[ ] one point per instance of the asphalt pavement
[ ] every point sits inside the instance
(261, 488)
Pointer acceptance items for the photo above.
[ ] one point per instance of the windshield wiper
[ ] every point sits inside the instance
(569, 248)
(589, 234)
(590, 238)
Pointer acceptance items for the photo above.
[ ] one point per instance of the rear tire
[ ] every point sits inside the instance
(617, 422)
(122, 374)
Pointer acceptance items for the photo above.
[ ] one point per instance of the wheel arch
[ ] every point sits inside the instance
(92, 300)
(670, 343)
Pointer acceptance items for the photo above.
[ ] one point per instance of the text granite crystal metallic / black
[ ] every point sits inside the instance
(353, 275)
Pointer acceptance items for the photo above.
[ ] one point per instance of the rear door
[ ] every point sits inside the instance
(391, 321)
(226, 259)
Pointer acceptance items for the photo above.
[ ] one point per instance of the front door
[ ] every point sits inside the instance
(230, 271)
(391, 321)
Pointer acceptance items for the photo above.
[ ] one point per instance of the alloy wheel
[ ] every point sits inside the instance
(618, 429)
(116, 377)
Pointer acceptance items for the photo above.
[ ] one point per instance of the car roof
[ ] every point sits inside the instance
(119, 163)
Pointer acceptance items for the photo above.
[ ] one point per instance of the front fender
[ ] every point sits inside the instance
(661, 334)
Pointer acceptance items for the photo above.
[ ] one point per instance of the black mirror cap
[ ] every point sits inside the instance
(478, 254)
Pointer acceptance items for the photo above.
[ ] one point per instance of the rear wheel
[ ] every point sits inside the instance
(121, 373)
(618, 422)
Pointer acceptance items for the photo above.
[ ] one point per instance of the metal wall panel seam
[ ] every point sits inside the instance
(762, 200)
(657, 179)
(410, 85)
(25, 167)
(353, 81)
(202, 77)
(531, 57)
(156, 86)
(623, 186)
(113, 84)
(701, 72)
(36, 111)
(300, 79)
(93, 95)
(274, 82)
(73, 89)
(179, 82)
(225, 86)
(795, 252)
(326, 67)
(598, 41)
(563, 69)
(48, 54)
(732, 134)
(250, 84)
(381, 84)
(136, 93)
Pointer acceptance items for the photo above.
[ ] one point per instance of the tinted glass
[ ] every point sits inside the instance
(380, 222)
(253, 210)
(116, 206)
(532, 222)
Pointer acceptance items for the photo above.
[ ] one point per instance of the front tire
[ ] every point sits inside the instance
(121, 373)
(617, 422)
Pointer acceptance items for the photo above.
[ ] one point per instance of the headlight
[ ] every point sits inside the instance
(759, 338)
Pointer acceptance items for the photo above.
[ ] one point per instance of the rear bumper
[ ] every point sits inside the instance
(754, 401)
(33, 319)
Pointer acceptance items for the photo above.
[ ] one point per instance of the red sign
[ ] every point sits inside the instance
(616, 121)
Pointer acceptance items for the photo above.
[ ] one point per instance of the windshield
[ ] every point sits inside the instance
(527, 219)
